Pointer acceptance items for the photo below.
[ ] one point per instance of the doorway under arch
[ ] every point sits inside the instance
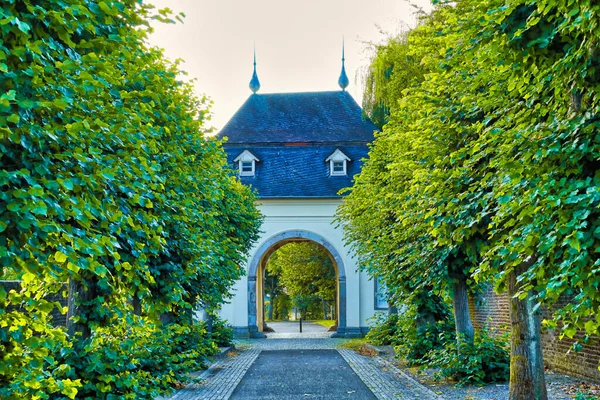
(257, 267)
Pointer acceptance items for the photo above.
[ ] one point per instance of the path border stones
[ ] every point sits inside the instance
(384, 379)
(220, 380)
(380, 376)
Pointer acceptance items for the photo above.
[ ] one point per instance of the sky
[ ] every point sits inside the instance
(298, 44)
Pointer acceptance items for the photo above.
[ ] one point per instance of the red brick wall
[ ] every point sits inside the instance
(492, 310)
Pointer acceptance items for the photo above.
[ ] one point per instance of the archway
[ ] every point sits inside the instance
(256, 270)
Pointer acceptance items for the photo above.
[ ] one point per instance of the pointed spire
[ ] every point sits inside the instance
(254, 82)
(343, 81)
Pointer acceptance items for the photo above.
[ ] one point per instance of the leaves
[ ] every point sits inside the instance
(491, 158)
(107, 183)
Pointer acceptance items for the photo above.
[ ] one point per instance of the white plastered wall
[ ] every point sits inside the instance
(314, 215)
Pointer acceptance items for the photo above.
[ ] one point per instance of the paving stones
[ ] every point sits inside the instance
(221, 379)
(384, 379)
(380, 376)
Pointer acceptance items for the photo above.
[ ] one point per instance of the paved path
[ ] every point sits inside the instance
(291, 330)
(301, 374)
(263, 375)
(294, 327)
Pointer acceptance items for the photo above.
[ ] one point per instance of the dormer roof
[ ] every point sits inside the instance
(337, 155)
(246, 155)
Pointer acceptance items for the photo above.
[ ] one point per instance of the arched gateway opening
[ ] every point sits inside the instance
(256, 278)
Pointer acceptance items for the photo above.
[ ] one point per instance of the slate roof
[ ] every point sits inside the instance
(298, 171)
(292, 134)
(311, 117)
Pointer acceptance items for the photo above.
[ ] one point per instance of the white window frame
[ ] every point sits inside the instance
(338, 156)
(334, 172)
(246, 157)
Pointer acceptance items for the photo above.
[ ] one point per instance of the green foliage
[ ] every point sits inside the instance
(486, 360)
(142, 362)
(383, 329)
(584, 396)
(306, 273)
(222, 333)
(489, 163)
(282, 305)
(107, 182)
(420, 330)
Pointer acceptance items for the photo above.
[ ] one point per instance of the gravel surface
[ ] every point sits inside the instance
(559, 386)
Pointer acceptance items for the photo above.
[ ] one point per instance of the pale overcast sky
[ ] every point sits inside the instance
(298, 44)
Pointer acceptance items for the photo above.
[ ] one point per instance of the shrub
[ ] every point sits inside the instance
(141, 361)
(384, 329)
(222, 333)
(486, 360)
(414, 340)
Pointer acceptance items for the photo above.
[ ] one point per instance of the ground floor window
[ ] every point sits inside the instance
(381, 296)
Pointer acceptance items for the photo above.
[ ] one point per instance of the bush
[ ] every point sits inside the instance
(486, 360)
(413, 341)
(222, 333)
(384, 329)
(136, 362)
(282, 305)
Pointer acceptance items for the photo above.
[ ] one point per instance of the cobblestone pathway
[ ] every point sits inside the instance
(382, 378)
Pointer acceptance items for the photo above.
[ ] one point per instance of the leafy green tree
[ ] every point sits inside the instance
(489, 166)
(306, 272)
(108, 183)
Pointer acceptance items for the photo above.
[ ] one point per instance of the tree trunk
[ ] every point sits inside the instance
(78, 295)
(324, 305)
(527, 380)
(167, 318)
(462, 317)
(271, 306)
(136, 303)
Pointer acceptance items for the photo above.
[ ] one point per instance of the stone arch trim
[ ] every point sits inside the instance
(267, 246)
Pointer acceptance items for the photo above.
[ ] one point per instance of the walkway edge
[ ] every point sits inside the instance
(216, 385)
(386, 385)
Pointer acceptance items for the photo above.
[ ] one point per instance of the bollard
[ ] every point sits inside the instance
(300, 324)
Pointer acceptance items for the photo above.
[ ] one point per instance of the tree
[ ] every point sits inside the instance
(306, 272)
(108, 183)
(491, 162)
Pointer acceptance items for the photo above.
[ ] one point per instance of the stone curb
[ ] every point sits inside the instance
(385, 380)
(381, 350)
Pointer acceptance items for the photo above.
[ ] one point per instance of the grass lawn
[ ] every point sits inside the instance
(325, 322)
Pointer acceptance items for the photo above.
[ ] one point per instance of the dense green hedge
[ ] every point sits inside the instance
(108, 182)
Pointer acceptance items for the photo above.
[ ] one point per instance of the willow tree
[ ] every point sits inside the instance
(108, 183)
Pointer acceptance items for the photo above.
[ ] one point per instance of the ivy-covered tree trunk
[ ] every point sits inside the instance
(136, 303)
(527, 380)
(80, 293)
(460, 301)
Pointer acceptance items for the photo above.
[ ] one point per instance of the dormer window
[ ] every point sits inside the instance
(338, 163)
(247, 163)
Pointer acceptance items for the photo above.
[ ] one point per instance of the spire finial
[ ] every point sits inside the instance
(343, 81)
(254, 82)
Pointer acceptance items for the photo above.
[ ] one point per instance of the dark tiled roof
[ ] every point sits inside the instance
(297, 171)
(313, 117)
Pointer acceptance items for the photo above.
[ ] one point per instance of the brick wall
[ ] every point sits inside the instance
(58, 318)
(492, 310)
